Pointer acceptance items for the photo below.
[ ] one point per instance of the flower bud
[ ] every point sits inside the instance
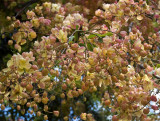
(56, 113)
(83, 116)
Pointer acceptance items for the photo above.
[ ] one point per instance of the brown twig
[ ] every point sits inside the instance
(27, 4)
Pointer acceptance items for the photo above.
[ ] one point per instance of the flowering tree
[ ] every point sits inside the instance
(74, 53)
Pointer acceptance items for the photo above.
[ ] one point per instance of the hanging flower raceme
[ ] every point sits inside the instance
(19, 64)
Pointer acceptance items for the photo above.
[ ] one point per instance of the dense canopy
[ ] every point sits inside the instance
(74, 54)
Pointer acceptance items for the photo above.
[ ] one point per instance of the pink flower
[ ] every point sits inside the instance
(30, 14)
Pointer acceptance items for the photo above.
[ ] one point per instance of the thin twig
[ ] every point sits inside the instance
(27, 4)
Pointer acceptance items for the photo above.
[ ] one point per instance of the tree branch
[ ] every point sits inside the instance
(27, 4)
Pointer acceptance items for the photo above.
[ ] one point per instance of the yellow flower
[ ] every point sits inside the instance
(35, 22)
(32, 35)
(83, 116)
(62, 36)
(147, 82)
(46, 79)
(23, 41)
(47, 5)
(24, 64)
(30, 14)
(90, 75)
(55, 7)
(139, 17)
(16, 92)
(21, 63)
(72, 72)
(10, 63)
(91, 61)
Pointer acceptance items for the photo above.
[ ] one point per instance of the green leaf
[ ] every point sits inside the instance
(63, 1)
(155, 24)
(81, 44)
(132, 42)
(100, 40)
(7, 57)
(158, 65)
(90, 46)
(77, 27)
(106, 34)
(91, 36)
(78, 83)
(76, 36)
(147, 1)
(100, 35)
(57, 62)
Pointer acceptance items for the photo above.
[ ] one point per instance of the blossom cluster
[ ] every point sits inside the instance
(73, 56)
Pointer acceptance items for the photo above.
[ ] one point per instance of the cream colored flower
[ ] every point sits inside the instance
(55, 7)
(62, 36)
(22, 64)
